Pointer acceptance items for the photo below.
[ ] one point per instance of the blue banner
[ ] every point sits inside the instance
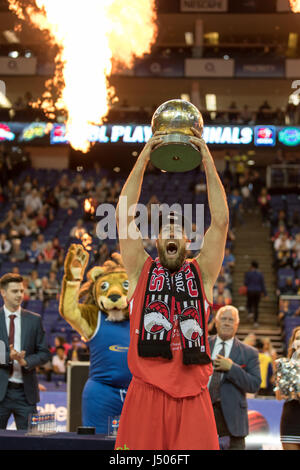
(252, 6)
(263, 414)
(259, 68)
(42, 133)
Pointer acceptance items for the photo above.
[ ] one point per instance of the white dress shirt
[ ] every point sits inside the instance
(17, 372)
(217, 349)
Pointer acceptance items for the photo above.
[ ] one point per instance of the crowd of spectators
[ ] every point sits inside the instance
(234, 114)
(61, 353)
(281, 213)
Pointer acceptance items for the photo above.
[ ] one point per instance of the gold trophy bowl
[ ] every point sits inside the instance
(176, 153)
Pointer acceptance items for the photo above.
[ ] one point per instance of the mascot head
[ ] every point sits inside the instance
(107, 288)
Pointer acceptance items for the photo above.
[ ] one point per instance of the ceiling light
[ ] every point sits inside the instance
(13, 54)
(211, 102)
(11, 37)
(189, 38)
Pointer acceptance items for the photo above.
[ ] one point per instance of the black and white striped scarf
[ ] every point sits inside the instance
(167, 298)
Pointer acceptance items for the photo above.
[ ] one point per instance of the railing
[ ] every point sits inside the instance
(283, 176)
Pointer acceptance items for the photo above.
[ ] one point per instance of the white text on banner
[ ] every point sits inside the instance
(209, 68)
(20, 66)
(204, 5)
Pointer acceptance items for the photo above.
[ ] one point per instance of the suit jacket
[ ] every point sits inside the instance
(243, 377)
(33, 341)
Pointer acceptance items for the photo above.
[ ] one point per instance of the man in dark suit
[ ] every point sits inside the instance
(24, 342)
(236, 372)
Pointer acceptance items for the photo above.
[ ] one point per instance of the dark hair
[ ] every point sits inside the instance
(254, 264)
(291, 350)
(259, 344)
(60, 347)
(9, 277)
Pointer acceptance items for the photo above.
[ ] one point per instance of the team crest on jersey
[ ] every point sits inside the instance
(156, 318)
(189, 323)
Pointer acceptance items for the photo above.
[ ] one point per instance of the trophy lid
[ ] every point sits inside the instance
(177, 116)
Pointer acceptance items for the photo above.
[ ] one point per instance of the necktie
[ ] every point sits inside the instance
(11, 337)
(214, 387)
(12, 329)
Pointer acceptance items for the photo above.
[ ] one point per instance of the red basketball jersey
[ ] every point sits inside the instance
(171, 376)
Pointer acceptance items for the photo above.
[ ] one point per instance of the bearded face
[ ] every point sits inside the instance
(171, 247)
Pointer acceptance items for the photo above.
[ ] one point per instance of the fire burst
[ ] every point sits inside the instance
(93, 37)
(295, 5)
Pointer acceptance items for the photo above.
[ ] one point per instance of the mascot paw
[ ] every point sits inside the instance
(76, 262)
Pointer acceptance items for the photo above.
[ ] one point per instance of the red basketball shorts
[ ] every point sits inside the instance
(153, 420)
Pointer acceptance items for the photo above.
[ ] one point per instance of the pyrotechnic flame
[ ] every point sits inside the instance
(93, 37)
(295, 6)
(86, 241)
(88, 206)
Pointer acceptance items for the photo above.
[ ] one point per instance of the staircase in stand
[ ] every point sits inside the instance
(253, 243)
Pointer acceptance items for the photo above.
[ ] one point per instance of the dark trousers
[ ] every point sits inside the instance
(15, 403)
(236, 442)
(253, 299)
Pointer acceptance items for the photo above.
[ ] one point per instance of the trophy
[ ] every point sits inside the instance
(176, 153)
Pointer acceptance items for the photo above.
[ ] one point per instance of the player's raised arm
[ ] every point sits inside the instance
(212, 254)
(131, 245)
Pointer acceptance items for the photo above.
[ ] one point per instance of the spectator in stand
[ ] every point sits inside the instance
(296, 251)
(289, 288)
(226, 277)
(68, 202)
(41, 219)
(78, 351)
(229, 260)
(278, 219)
(33, 202)
(257, 184)
(221, 290)
(254, 281)
(60, 341)
(26, 289)
(78, 186)
(54, 286)
(18, 226)
(5, 246)
(250, 339)
(269, 349)
(59, 362)
(102, 254)
(34, 285)
(218, 303)
(264, 204)
(64, 184)
(266, 370)
(17, 255)
(283, 246)
(284, 311)
(40, 243)
(58, 262)
(46, 292)
(8, 220)
(78, 230)
(235, 207)
(246, 116)
(48, 253)
(33, 252)
(282, 230)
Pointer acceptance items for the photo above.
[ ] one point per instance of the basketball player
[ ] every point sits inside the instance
(168, 406)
